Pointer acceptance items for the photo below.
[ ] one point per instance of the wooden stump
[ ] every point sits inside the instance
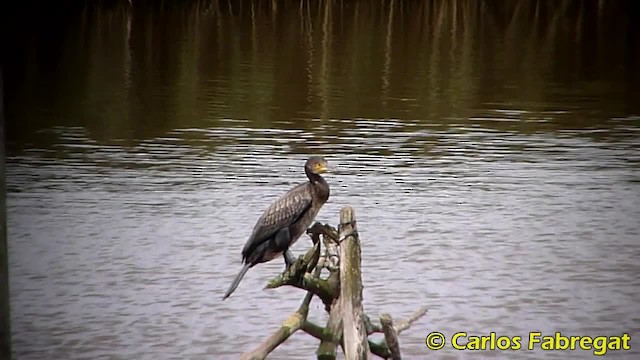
(355, 333)
(341, 292)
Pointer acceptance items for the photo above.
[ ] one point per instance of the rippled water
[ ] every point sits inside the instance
(508, 219)
(494, 232)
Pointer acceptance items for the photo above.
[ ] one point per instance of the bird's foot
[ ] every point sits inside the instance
(289, 259)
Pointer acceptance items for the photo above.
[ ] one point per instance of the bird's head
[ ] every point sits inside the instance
(317, 165)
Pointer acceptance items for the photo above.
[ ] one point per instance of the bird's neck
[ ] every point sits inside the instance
(319, 184)
(314, 178)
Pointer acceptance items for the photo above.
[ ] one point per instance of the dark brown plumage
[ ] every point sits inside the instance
(285, 221)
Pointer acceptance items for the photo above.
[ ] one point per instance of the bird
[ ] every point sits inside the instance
(285, 220)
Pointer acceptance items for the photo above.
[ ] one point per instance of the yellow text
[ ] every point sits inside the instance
(463, 341)
(599, 344)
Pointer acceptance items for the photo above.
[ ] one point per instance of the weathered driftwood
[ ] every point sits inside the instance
(355, 333)
(390, 336)
(377, 348)
(341, 292)
(294, 322)
(332, 333)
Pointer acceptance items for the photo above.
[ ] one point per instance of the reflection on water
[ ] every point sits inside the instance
(490, 152)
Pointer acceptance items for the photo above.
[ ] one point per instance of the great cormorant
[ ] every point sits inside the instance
(285, 220)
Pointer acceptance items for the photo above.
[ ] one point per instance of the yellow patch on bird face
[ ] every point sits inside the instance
(321, 167)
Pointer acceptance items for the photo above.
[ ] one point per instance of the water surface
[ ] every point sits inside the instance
(490, 152)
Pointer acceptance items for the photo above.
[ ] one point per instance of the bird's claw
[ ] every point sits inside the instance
(289, 259)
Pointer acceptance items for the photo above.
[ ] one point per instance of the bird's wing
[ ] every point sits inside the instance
(282, 213)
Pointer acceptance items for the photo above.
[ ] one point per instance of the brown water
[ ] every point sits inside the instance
(491, 151)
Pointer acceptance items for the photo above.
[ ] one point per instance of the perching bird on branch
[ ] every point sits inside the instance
(285, 220)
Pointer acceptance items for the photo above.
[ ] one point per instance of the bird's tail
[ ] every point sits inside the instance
(237, 280)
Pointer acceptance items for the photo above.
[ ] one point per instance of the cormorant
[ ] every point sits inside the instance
(285, 220)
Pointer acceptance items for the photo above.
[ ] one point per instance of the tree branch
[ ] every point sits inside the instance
(332, 333)
(318, 332)
(405, 324)
(379, 349)
(371, 327)
(295, 321)
(330, 238)
(288, 327)
(390, 336)
(399, 326)
(323, 229)
(298, 275)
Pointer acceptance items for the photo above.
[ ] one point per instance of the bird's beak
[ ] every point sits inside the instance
(328, 168)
